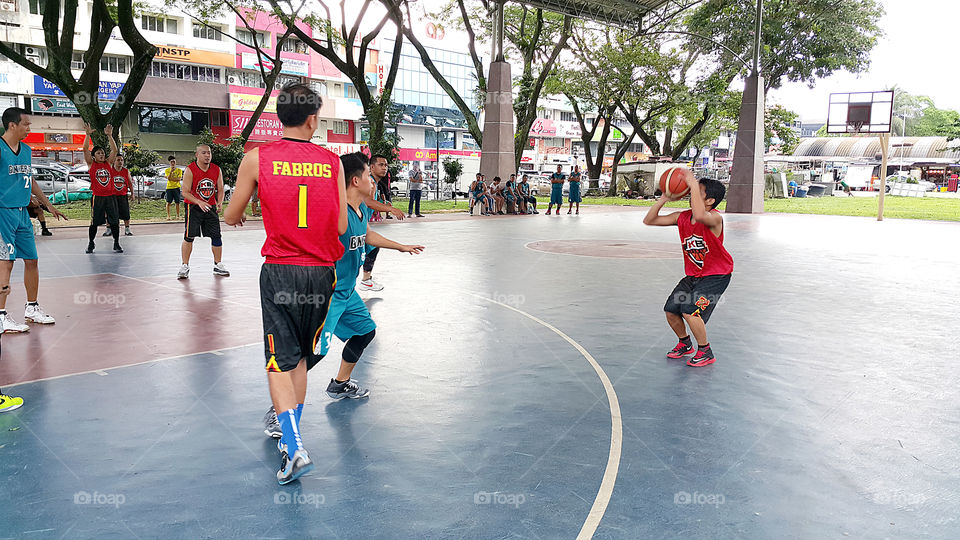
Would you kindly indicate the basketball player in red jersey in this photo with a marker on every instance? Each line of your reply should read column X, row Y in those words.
column 303, row 202
column 122, row 187
column 707, row 263
column 203, row 198
column 104, row 203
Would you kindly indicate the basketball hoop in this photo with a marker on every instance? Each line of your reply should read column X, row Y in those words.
column 855, row 127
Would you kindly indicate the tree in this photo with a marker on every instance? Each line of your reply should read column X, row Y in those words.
column 918, row 116
column 340, row 47
column 778, row 129
column 202, row 11
column 533, row 36
column 138, row 159
column 59, row 29
column 452, row 169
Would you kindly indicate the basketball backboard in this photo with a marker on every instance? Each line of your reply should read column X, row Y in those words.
column 860, row 112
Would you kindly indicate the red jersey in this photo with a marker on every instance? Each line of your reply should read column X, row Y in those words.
column 703, row 252
column 101, row 178
column 204, row 184
column 121, row 181
column 300, row 203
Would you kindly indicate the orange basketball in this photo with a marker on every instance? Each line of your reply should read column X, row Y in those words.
column 673, row 181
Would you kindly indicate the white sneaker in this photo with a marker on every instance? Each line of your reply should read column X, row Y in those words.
column 11, row 326
column 370, row 285
column 184, row 272
column 220, row 270
column 34, row 313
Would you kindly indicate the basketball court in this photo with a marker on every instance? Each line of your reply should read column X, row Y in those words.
column 519, row 389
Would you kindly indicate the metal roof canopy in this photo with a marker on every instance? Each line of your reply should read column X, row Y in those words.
column 627, row 13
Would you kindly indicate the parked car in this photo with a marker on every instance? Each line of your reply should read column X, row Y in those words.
column 895, row 178
column 53, row 178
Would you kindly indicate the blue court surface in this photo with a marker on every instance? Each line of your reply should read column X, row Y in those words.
column 519, row 389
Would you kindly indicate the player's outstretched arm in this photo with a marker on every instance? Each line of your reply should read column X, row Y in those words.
column 114, row 151
column 377, row 240
column 653, row 216
column 44, row 201
column 374, row 204
column 247, row 176
column 87, row 155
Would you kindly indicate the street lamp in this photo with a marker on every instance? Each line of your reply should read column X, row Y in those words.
column 437, row 129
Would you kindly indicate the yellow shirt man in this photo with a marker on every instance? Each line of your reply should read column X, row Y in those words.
column 174, row 176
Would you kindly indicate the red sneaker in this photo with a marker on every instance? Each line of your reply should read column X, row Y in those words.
column 704, row 357
column 682, row 349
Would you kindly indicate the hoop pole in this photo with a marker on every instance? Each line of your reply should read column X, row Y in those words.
column 884, row 151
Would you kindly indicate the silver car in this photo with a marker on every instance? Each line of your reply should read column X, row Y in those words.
column 52, row 179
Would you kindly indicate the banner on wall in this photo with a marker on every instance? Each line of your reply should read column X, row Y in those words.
column 193, row 56
column 108, row 91
column 290, row 66
column 249, row 102
column 421, row 154
column 268, row 127
column 54, row 105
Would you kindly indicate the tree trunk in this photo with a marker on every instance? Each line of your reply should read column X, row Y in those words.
column 617, row 156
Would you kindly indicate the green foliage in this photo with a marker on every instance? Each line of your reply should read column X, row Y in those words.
column 383, row 113
column 452, row 168
column 802, row 40
column 139, row 159
column 227, row 157
column 918, row 116
column 777, row 124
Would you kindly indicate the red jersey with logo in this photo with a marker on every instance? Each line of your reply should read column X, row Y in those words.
column 204, row 184
column 703, row 252
column 121, row 182
column 101, row 179
column 300, row 203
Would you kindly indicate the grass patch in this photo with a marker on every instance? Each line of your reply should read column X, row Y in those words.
column 932, row 208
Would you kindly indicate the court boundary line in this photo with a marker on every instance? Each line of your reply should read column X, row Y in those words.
column 605, row 492
column 664, row 251
column 106, row 371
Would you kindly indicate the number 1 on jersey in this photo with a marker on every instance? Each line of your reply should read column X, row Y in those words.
column 302, row 207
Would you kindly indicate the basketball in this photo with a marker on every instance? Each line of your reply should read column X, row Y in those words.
column 673, row 181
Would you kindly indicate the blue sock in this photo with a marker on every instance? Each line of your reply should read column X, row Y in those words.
column 299, row 413
column 291, row 431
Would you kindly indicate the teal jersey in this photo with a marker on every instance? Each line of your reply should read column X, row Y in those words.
column 557, row 176
column 354, row 247
column 15, row 176
column 509, row 189
column 524, row 188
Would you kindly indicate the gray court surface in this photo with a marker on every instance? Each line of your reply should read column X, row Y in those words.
column 831, row 411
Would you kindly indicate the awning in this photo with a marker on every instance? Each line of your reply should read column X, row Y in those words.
column 59, row 147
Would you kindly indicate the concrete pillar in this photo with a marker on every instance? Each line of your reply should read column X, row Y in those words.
column 497, row 157
column 745, row 193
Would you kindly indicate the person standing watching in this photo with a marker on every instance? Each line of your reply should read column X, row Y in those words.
column 416, row 189
column 16, row 230
column 173, row 195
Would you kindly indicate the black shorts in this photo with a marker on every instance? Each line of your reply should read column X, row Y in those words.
column 697, row 296
column 172, row 195
column 200, row 223
column 294, row 302
column 123, row 207
column 104, row 210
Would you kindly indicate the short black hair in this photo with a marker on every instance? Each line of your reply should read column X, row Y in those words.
column 715, row 190
column 353, row 165
column 93, row 152
column 375, row 157
column 13, row 115
column 171, row 158
column 496, row 179
column 297, row 102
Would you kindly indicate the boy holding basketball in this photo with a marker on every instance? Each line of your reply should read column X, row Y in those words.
column 707, row 263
